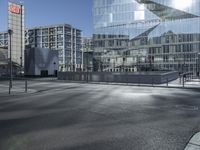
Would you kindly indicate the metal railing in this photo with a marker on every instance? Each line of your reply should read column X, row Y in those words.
column 107, row 78
column 185, row 77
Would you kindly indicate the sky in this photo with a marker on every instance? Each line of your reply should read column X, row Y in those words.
column 78, row 13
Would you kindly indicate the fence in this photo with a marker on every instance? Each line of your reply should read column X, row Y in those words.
column 154, row 79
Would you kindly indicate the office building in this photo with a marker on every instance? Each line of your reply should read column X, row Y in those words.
column 63, row 38
column 134, row 35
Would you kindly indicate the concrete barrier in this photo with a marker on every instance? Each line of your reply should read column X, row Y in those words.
column 123, row 77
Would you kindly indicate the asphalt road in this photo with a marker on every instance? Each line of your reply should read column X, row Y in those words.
column 72, row 116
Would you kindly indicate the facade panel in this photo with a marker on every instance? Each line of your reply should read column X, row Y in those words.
column 41, row 62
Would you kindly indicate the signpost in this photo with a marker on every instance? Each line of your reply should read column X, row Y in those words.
column 10, row 83
column 15, row 9
column 16, row 24
column 16, row 38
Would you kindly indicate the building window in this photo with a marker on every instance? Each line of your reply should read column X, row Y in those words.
column 60, row 30
column 45, row 39
column 45, row 32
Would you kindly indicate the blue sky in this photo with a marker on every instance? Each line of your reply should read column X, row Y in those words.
column 46, row 12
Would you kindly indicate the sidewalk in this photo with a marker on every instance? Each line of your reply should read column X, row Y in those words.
column 16, row 90
column 193, row 83
column 194, row 143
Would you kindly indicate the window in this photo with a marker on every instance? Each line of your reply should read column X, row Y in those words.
column 45, row 39
column 45, row 32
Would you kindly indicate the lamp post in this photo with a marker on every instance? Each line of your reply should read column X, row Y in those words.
column 85, row 59
column 198, row 64
column 55, row 69
column 87, row 63
column 184, row 69
column 82, row 61
column 114, row 64
column 138, row 62
column 10, row 32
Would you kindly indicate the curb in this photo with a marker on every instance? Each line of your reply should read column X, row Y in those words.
column 134, row 85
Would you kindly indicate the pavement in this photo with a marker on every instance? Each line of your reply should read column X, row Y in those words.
column 192, row 83
column 73, row 116
column 17, row 89
column 194, row 143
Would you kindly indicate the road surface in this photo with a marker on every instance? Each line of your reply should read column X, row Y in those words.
column 72, row 116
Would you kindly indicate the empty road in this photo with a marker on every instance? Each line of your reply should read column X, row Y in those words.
column 72, row 116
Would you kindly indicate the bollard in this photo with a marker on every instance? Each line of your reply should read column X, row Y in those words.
column 127, row 79
column 167, row 82
column 138, row 81
column 26, row 86
column 86, row 77
column 9, row 88
column 152, row 82
column 183, row 82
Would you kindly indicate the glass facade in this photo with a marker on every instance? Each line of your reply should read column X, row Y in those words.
column 147, row 34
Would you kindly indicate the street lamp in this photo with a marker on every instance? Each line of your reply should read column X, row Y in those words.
column 10, row 32
column 184, row 67
column 198, row 64
column 55, row 69
column 87, row 57
column 138, row 62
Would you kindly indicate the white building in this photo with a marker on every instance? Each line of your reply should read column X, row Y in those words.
column 63, row 38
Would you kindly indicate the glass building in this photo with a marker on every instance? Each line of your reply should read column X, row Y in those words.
column 137, row 35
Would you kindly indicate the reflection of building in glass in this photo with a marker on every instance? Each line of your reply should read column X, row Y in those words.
column 88, row 52
column 64, row 38
column 147, row 34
